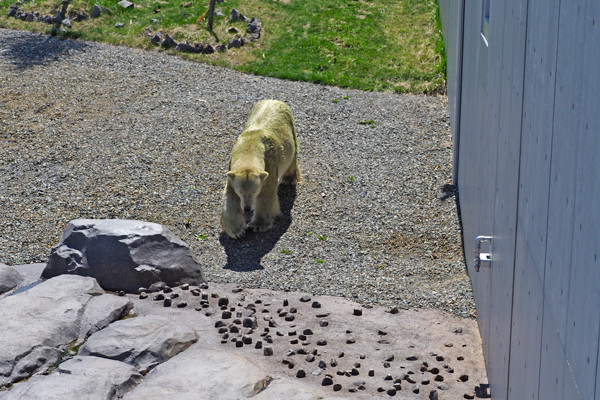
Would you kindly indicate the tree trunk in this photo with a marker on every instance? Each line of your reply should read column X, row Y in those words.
column 63, row 14
column 211, row 12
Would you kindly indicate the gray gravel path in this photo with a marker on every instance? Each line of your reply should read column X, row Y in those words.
column 95, row 131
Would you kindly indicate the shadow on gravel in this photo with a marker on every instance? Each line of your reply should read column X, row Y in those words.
column 246, row 253
column 30, row 50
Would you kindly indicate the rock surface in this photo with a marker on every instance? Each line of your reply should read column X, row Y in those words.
column 325, row 352
column 142, row 342
column 78, row 378
column 215, row 374
column 10, row 278
column 39, row 323
column 123, row 255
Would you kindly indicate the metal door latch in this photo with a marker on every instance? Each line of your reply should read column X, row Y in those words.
column 479, row 256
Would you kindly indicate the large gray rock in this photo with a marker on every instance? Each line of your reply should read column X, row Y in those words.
column 290, row 390
column 100, row 311
column 36, row 325
column 123, row 255
column 143, row 342
column 214, row 374
column 10, row 278
column 88, row 378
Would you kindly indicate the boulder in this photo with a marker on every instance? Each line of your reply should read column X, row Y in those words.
column 100, row 311
column 156, row 38
column 10, row 278
column 168, row 42
column 142, row 342
column 235, row 15
column 125, row 4
column 39, row 323
column 123, row 254
column 235, row 43
column 82, row 16
column 187, row 48
column 12, row 11
column 254, row 26
column 78, row 378
column 215, row 374
column 96, row 11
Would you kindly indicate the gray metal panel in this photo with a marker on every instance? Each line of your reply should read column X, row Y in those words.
column 583, row 315
column 475, row 193
column 552, row 362
column 510, row 69
column 563, row 175
column 529, row 174
column 526, row 325
column 451, row 12
column 536, row 151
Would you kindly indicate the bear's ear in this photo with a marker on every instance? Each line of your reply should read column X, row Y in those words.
column 263, row 175
column 231, row 175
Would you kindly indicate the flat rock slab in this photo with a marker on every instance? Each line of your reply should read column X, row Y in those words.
column 38, row 323
column 9, row 278
column 259, row 344
column 329, row 347
column 142, row 342
column 201, row 373
column 78, row 378
column 123, row 255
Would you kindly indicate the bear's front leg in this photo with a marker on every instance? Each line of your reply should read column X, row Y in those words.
column 267, row 207
column 232, row 216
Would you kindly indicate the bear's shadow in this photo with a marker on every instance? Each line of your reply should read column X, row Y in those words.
column 245, row 254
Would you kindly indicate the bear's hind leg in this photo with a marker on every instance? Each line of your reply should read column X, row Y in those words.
column 292, row 175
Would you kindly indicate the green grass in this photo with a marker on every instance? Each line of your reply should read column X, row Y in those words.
column 379, row 45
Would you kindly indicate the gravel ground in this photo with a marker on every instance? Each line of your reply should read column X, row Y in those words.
column 95, row 131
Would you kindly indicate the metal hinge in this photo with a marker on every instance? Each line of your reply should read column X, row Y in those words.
column 479, row 256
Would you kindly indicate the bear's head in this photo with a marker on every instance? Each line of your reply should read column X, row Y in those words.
column 247, row 184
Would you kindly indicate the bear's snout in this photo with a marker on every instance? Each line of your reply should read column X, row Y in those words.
column 248, row 214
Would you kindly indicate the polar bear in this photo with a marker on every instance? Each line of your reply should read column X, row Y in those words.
column 266, row 153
